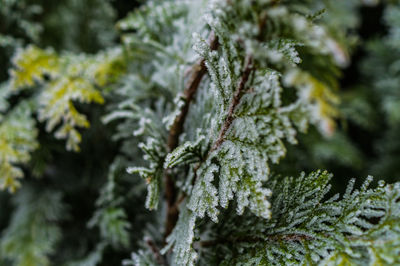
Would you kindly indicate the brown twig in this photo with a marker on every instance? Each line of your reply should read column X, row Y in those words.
column 229, row 118
column 198, row 71
column 173, row 206
column 234, row 103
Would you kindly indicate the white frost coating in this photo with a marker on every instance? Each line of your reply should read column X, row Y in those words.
column 185, row 153
column 199, row 44
column 152, row 177
column 118, row 115
column 217, row 68
column 230, row 172
column 339, row 54
column 204, row 194
column 181, row 239
column 179, row 102
column 283, row 50
column 256, row 135
column 300, row 23
column 278, row 11
column 143, row 122
column 242, row 172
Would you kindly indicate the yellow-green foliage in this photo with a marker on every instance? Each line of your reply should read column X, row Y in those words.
column 17, row 140
column 60, row 81
column 320, row 99
column 64, row 80
column 56, row 107
column 30, row 66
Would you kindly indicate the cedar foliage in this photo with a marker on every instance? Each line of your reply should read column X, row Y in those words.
column 178, row 133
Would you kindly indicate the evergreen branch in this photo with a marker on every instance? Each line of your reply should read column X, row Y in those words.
column 173, row 209
column 17, row 139
column 235, row 101
column 198, row 71
column 364, row 223
column 229, row 118
column 34, row 230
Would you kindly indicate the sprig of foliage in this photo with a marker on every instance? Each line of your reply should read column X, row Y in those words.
column 361, row 228
column 34, row 232
column 110, row 216
column 65, row 79
column 17, row 140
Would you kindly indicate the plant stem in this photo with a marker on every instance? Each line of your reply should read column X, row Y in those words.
column 198, row 71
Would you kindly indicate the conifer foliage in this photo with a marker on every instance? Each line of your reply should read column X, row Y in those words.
column 190, row 115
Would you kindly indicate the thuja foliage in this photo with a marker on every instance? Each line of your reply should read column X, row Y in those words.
column 169, row 145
